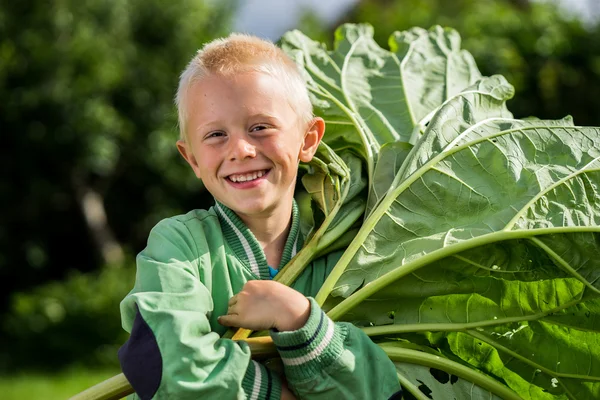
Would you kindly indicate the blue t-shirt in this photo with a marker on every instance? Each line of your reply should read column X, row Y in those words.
column 273, row 272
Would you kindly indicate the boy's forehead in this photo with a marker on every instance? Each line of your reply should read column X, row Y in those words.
column 241, row 80
column 256, row 92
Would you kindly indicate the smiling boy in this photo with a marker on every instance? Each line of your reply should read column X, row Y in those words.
column 246, row 122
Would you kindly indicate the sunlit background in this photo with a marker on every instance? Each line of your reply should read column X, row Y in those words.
column 89, row 164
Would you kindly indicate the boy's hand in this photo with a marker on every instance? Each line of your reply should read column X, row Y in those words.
column 267, row 305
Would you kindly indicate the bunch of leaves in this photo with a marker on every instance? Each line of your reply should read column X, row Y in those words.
column 475, row 263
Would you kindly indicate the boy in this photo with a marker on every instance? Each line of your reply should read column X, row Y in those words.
column 246, row 122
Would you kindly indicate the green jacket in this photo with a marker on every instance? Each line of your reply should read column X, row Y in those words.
column 193, row 264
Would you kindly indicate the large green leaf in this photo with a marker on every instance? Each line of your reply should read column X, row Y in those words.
column 581, row 390
column 529, row 381
column 460, row 119
column 526, row 320
column 554, row 349
column 473, row 303
column 481, row 231
column 355, row 89
column 575, row 253
column 562, row 359
column 370, row 96
column 434, row 68
column 497, row 180
column 432, row 254
column 488, row 285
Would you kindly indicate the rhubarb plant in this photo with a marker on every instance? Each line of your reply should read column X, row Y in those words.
column 475, row 265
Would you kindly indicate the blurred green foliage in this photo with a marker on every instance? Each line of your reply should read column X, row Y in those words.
column 87, row 93
column 71, row 322
column 87, row 89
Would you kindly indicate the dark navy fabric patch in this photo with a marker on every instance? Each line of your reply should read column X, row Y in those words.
column 140, row 359
column 397, row 395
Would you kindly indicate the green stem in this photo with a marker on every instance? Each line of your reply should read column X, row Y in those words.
column 294, row 268
column 437, row 327
column 567, row 391
column 343, row 262
column 338, row 230
column 562, row 263
column 341, row 243
column 288, row 275
column 114, row 388
column 410, row 387
column 452, row 367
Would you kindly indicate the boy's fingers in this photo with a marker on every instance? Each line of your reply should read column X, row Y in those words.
column 232, row 301
column 228, row 320
column 232, row 309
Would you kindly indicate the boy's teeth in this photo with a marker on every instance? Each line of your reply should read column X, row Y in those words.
column 247, row 177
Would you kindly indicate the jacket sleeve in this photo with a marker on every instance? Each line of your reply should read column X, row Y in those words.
column 171, row 352
column 327, row 360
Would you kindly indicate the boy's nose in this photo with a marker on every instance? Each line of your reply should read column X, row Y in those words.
column 242, row 149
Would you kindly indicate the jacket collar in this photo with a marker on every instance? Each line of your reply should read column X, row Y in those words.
column 245, row 246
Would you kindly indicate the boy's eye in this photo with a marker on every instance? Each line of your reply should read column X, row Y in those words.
column 258, row 128
column 215, row 134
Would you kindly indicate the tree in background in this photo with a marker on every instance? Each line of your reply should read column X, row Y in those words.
column 551, row 58
column 88, row 117
column 89, row 162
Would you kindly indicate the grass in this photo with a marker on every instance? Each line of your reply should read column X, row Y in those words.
column 59, row 386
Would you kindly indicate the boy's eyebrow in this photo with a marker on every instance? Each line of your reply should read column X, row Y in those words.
column 264, row 115
column 207, row 126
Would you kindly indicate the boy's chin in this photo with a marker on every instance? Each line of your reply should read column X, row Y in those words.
column 248, row 208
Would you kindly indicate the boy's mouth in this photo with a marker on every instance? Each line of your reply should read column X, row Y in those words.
column 247, row 177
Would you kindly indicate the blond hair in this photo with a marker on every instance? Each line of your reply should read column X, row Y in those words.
column 240, row 53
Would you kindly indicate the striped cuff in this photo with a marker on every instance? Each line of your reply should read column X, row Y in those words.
column 261, row 383
column 312, row 348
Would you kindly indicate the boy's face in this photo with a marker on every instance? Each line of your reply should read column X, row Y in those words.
column 245, row 141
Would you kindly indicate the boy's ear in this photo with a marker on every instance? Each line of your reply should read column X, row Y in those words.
column 187, row 154
column 312, row 138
